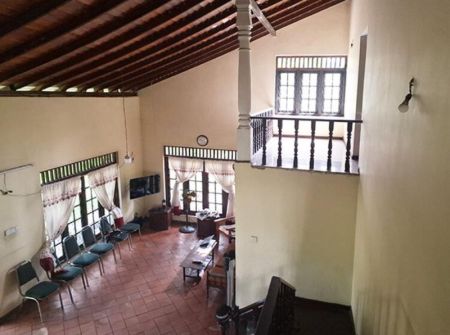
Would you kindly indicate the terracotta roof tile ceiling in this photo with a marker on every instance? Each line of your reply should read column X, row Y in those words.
column 117, row 47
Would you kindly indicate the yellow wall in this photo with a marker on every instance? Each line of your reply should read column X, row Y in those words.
column 203, row 100
column 402, row 250
column 49, row 132
column 304, row 223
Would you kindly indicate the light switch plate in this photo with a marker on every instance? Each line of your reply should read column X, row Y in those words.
column 10, row 231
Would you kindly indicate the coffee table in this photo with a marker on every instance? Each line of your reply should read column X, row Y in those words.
column 198, row 259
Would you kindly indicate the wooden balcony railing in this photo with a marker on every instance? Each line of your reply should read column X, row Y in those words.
column 266, row 125
column 277, row 315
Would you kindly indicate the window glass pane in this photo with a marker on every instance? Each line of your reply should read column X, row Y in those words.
column 309, row 93
column 71, row 228
column 76, row 212
column 328, row 79
column 290, row 105
column 336, row 79
column 336, row 93
column 78, row 225
column 291, row 79
column 286, row 88
column 335, row 106
column 89, row 206
column 59, row 250
column 332, row 91
column 327, row 93
column 96, row 216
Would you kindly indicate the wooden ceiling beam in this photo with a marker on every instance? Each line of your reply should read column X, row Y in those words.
column 133, row 64
column 259, row 32
column 223, row 49
column 66, row 94
column 33, row 12
column 143, row 68
column 122, row 54
column 71, row 68
column 206, row 48
column 85, row 39
column 137, row 65
column 87, row 15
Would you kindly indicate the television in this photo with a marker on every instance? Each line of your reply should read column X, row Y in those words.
column 143, row 186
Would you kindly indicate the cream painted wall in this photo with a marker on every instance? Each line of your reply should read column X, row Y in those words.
column 304, row 223
column 402, row 250
column 49, row 132
column 203, row 100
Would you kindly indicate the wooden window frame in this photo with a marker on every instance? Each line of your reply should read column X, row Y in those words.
column 186, row 187
column 320, row 87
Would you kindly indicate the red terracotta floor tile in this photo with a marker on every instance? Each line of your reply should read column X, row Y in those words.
column 143, row 293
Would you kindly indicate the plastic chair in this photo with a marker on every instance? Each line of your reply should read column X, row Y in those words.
column 92, row 245
column 25, row 273
column 113, row 236
column 76, row 258
column 63, row 275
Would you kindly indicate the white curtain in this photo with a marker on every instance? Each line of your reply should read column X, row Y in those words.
column 103, row 183
column 58, row 200
column 184, row 169
column 223, row 172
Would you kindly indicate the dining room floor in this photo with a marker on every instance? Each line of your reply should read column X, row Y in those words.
column 143, row 293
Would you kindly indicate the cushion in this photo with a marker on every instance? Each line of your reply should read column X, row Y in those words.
column 70, row 273
column 42, row 290
column 101, row 248
column 85, row 259
column 131, row 227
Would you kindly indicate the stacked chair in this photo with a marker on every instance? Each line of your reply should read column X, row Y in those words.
column 77, row 261
column 64, row 275
column 113, row 236
column 75, row 257
column 98, row 248
column 41, row 290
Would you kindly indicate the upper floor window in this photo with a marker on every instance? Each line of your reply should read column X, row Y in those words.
column 311, row 85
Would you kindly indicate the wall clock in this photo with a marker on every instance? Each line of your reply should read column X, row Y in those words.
column 202, row 140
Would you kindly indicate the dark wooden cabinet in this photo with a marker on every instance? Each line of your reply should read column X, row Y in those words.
column 160, row 218
column 207, row 228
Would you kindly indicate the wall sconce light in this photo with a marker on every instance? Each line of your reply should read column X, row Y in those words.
column 404, row 106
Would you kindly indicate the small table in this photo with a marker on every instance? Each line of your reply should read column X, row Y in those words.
column 160, row 218
column 198, row 259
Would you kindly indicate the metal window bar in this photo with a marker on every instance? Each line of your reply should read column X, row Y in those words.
column 200, row 153
column 77, row 168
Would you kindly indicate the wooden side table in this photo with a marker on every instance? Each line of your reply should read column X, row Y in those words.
column 160, row 218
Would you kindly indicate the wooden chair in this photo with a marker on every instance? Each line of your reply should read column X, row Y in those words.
column 227, row 227
column 216, row 277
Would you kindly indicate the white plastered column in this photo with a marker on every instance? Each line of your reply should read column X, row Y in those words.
column 244, row 24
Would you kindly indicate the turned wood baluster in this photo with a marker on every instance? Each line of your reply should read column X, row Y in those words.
column 313, row 137
column 296, row 144
column 263, row 142
column 280, row 129
column 330, row 144
column 349, row 145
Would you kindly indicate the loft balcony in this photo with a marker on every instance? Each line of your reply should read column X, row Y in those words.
column 322, row 144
